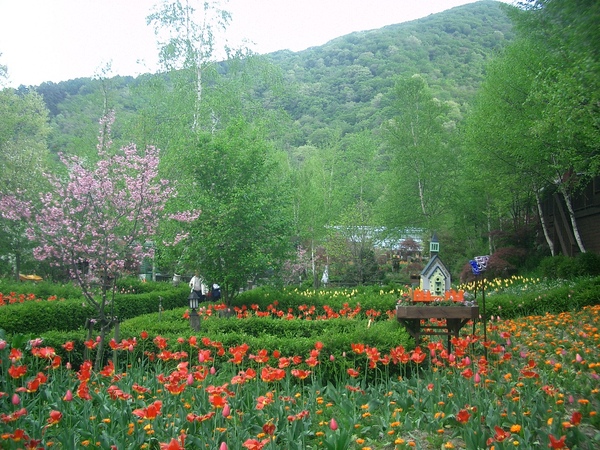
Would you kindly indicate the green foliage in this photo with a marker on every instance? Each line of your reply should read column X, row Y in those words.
column 41, row 290
column 135, row 285
column 564, row 297
column 24, row 159
column 589, row 263
column 68, row 315
column 368, row 297
column 39, row 317
column 246, row 220
column 564, row 267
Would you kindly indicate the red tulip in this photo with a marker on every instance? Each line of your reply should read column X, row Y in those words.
column 226, row 410
column 333, row 424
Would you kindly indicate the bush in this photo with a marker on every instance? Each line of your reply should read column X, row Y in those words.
column 557, row 300
column 380, row 298
column 564, row 267
column 41, row 316
column 589, row 263
column 289, row 337
column 41, row 290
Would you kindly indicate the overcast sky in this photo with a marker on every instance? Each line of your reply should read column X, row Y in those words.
column 58, row 40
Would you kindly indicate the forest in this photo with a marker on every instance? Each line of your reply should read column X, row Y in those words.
column 339, row 157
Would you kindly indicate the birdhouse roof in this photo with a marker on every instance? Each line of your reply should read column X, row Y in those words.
column 433, row 264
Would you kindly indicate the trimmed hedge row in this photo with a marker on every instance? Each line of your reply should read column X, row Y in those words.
column 561, row 299
column 289, row 337
column 40, row 316
column 45, row 289
column 41, row 290
column 369, row 297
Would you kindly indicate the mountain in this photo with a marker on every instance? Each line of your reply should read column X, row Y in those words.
column 343, row 84
column 347, row 80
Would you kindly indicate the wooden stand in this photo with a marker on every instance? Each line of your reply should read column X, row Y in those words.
column 456, row 317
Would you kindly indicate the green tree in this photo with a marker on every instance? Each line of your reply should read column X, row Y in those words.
column 23, row 160
column 535, row 124
column 421, row 161
column 351, row 244
column 188, row 41
column 243, row 231
column 501, row 159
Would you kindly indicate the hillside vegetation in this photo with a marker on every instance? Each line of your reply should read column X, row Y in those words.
column 345, row 83
column 343, row 156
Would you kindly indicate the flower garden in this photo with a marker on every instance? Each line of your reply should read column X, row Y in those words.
column 535, row 383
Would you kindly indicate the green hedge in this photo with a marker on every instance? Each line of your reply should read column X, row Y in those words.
column 561, row 299
column 41, row 290
column 369, row 297
column 260, row 331
column 68, row 315
column 560, row 266
column 289, row 337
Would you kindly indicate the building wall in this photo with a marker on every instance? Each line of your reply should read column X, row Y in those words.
column 587, row 213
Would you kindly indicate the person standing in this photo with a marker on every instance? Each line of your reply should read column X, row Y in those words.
column 216, row 291
column 198, row 286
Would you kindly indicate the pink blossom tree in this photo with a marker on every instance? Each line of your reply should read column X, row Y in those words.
column 95, row 222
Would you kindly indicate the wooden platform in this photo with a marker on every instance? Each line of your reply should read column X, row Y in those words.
column 456, row 317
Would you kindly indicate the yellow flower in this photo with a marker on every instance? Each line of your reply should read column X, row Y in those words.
column 515, row 428
column 360, row 441
column 448, row 445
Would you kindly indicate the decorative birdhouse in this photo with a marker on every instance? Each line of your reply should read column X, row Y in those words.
column 435, row 277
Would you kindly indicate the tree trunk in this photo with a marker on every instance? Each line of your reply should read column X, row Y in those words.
column 569, row 204
column 543, row 222
column 17, row 265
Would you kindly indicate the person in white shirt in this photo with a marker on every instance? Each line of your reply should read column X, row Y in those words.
column 198, row 286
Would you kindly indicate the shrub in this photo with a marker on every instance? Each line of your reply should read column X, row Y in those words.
column 42, row 289
column 589, row 263
column 561, row 266
column 41, row 316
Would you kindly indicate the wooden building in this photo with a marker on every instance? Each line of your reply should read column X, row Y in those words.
column 586, row 205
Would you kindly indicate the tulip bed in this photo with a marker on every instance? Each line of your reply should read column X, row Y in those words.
column 533, row 384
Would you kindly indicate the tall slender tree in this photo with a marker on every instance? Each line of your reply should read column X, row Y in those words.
column 421, row 161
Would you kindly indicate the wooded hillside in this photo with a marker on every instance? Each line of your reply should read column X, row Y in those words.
column 461, row 123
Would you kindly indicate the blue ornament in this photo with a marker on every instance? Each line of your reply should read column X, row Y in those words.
column 474, row 267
